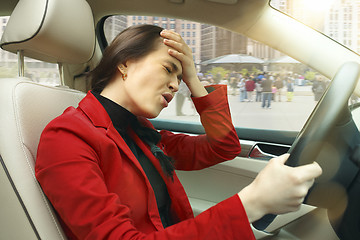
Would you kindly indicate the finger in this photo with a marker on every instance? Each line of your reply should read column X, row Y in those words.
column 282, row 158
column 171, row 35
column 180, row 47
column 178, row 55
column 309, row 171
column 174, row 44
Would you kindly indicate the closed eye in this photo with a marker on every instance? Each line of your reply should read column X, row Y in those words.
column 168, row 69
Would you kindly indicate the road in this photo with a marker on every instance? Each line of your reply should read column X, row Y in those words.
column 282, row 115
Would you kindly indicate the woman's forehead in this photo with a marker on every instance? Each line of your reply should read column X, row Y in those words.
column 162, row 52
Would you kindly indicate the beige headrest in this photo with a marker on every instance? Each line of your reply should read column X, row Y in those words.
column 51, row 30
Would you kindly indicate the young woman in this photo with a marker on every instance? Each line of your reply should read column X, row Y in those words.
column 110, row 175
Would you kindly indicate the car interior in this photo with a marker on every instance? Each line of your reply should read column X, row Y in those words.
column 67, row 33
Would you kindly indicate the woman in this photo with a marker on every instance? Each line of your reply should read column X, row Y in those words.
column 242, row 89
column 110, row 175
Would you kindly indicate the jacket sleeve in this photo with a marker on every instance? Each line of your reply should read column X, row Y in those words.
column 69, row 170
column 220, row 142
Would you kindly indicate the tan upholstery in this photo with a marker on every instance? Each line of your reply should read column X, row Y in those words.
column 49, row 30
column 26, row 108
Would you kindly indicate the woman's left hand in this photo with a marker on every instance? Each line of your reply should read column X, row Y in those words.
column 182, row 52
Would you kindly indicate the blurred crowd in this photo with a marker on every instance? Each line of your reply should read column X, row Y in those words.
column 263, row 87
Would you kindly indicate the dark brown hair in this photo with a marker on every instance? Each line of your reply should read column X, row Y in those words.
column 131, row 44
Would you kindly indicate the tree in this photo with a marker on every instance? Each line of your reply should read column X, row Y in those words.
column 244, row 71
column 218, row 71
column 255, row 71
column 310, row 75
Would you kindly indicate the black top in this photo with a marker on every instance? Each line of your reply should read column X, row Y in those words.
column 121, row 119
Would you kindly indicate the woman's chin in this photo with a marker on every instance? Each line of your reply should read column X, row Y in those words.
column 152, row 114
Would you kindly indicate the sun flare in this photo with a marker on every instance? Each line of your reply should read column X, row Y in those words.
column 318, row 5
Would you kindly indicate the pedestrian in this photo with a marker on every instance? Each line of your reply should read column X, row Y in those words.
column 273, row 91
column 319, row 87
column 261, row 75
column 182, row 94
column 279, row 84
column 233, row 82
column 242, row 89
column 290, row 89
column 258, row 90
column 249, row 87
column 266, row 85
column 218, row 77
column 110, row 175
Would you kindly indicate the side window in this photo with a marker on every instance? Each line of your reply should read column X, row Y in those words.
column 251, row 71
column 38, row 71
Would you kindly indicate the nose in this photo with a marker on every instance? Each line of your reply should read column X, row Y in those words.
column 174, row 84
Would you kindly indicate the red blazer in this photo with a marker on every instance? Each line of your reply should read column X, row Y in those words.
column 100, row 190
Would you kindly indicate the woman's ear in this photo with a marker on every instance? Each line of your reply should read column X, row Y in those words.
column 123, row 70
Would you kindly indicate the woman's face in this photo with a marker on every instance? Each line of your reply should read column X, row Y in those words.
column 151, row 82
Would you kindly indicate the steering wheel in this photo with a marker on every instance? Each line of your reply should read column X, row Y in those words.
column 328, row 137
column 331, row 110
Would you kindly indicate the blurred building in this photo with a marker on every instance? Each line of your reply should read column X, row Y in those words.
column 190, row 31
column 113, row 25
column 217, row 42
column 342, row 23
column 339, row 19
column 6, row 59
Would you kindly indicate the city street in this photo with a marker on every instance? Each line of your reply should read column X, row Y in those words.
column 282, row 115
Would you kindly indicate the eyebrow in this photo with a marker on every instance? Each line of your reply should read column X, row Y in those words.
column 175, row 68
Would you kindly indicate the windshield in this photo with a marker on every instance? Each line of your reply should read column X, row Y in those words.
column 338, row 19
column 221, row 57
column 232, row 59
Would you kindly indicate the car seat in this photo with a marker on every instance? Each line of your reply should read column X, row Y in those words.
column 56, row 31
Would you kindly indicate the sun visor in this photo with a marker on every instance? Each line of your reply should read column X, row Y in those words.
column 51, row 30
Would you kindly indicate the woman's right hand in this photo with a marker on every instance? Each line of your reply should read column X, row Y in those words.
column 278, row 188
column 182, row 52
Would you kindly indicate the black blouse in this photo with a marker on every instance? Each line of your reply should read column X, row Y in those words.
column 121, row 119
